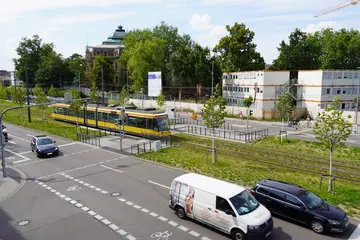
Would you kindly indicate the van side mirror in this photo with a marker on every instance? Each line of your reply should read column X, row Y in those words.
column 230, row 212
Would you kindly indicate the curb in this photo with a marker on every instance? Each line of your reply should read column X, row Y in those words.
column 22, row 183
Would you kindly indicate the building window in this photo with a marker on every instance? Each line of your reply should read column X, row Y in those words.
column 356, row 75
column 97, row 52
column 258, row 90
column 336, row 91
column 248, row 89
column 354, row 91
column 117, row 80
column 346, row 74
column 241, row 89
column 116, row 65
column 346, row 91
column 328, row 91
column 105, row 53
column 343, row 106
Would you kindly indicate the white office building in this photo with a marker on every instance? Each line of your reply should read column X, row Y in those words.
column 317, row 88
column 263, row 85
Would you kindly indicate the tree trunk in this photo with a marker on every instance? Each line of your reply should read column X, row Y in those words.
column 330, row 179
column 213, row 146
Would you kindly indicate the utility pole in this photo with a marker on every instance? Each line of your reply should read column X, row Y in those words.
column 27, row 92
column 122, row 133
column 15, row 82
column 212, row 78
column 174, row 113
column 102, row 85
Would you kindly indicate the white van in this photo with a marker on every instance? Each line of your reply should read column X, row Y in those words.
column 222, row 205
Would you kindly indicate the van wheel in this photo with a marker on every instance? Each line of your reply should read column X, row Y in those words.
column 180, row 212
column 237, row 234
column 317, row 226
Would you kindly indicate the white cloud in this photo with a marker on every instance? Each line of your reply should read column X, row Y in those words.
column 311, row 28
column 176, row 5
column 81, row 18
column 200, row 22
column 10, row 9
column 212, row 37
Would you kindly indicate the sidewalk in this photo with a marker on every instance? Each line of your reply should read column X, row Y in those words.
column 10, row 184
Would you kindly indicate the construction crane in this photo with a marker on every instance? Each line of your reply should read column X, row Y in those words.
column 338, row 7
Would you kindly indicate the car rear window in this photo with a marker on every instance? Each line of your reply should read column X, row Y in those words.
column 262, row 190
column 44, row 141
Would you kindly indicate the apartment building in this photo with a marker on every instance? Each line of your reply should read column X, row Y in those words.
column 263, row 85
column 317, row 88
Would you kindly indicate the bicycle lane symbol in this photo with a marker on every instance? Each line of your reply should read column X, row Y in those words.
column 161, row 235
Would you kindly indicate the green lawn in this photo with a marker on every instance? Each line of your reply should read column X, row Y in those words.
column 190, row 155
column 49, row 126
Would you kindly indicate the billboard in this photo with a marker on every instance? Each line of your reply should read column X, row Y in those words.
column 154, row 84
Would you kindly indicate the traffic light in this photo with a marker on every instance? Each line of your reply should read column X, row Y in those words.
column 251, row 112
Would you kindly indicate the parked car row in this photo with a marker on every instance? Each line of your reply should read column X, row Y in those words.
column 246, row 214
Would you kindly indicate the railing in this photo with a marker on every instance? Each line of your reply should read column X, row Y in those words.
column 84, row 138
column 227, row 134
column 195, row 122
column 149, row 146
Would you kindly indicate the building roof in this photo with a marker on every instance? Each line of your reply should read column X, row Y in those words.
column 117, row 36
column 332, row 70
column 109, row 46
column 211, row 185
column 256, row 71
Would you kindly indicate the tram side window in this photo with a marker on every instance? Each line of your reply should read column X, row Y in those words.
column 81, row 114
column 70, row 113
column 113, row 117
column 155, row 125
column 131, row 122
column 105, row 117
column 140, row 122
column 90, row 115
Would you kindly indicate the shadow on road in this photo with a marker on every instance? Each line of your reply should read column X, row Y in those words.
column 8, row 227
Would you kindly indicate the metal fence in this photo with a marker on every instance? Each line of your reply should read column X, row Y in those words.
column 196, row 122
column 93, row 140
column 149, row 146
column 228, row 134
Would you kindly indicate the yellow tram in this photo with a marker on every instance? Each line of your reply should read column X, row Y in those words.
column 141, row 122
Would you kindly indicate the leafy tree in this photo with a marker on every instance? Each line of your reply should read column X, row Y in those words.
column 52, row 92
column 285, row 105
column 19, row 98
column 94, row 92
column 30, row 51
column 331, row 129
column 75, row 106
column 237, row 50
column 248, row 102
column 77, row 67
column 160, row 100
column 214, row 112
column 108, row 71
column 40, row 98
column 124, row 96
column 51, row 70
column 302, row 52
column 3, row 96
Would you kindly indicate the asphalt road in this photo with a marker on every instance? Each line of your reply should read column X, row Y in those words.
column 91, row 193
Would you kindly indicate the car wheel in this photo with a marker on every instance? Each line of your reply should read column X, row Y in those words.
column 237, row 234
column 180, row 212
column 317, row 226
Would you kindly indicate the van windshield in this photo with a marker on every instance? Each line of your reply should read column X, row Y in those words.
column 244, row 202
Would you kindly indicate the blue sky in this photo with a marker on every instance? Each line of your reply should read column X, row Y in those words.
column 71, row 24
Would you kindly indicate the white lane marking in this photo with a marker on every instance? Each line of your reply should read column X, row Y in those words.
column 30, row 135
column 104, row 192
column 129, row 203
column 173, row 223
column 25, row 152
column 185, row 229
column 81, row 182
column 163, row 218
column 91, row 186
column 86, row 184
column 136, row 206
column 153, row 214
column 159, row 184
column 145, row 210
column 113, row 169
column 67, row 144
column 356, row 234
column 52, row 190
column 194, row 233
column 68, row 199
column 19, row 138
column 121, row 199
column 62, row 196
column 16, row 154
column 79, row 205
column 20, row 161
column 122, row 232
column 91, row 212
column 205, row 238
column 65, row 155
column 98, row 189
column 85, row 209
column 98, row 217
column 73, row 201
column 130, row 237
column 106, row 222
column 113, row 227
column 12, row 142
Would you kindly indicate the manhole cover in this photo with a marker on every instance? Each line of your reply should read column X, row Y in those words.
column 23, row 223
column 115, row 194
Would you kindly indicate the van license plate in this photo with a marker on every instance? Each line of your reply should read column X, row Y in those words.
column 49, row 153
column 268, row 234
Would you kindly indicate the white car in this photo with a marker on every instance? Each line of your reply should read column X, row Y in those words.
column 225, row 206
